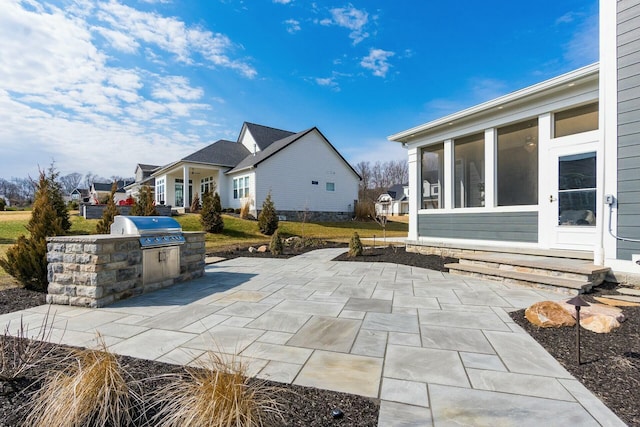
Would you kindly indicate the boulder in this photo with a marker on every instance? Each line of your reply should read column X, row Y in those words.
column 252, row 249
column 262, row 249
column 549, row 314
column 599, row 323
column 594, row 309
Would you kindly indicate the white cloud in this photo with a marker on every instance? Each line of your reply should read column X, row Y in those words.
column 329, row 82
column 282, row 1
column 350, row 18
column 171, row 35
column 293, row 26
column 377, row 61
column 567, row 18
column 583, row 48
column 62, row 97
column 175, row 88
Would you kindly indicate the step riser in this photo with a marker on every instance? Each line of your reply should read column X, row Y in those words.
column 505, row 280
column 595, row 278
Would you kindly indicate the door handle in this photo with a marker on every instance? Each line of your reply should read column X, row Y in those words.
column 552, row 199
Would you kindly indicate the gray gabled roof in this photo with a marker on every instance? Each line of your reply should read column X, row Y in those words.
column 265, row 135
column 397, row 192
column 222, row 153
column 257, row 158
column 147, row 168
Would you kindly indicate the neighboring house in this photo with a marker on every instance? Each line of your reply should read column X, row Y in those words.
column 395, row 201
column 80, row 195
column 101, row 190
column 303, row 171
column 553, row 166
column 142, row 177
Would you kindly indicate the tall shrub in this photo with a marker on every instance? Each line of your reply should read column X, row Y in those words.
column 56, row 197
column 145, row 205
column 26, row 261
column 110, row 211
column 355, row 245
column 211, row 213
column 276, row 246
column 268, row 220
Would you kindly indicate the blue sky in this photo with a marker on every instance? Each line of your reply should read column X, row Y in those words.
column 100, row 86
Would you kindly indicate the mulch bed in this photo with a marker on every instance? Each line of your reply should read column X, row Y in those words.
column 610, row 365
column 610, row 362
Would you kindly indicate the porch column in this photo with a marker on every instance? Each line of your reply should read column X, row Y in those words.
column 447, row 197
column 185, row 187
column 489, row 168
column 414, row 192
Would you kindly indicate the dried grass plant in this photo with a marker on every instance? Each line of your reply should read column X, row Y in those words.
column 244, row 209
column 217, row 394
column 20, row 352
column 89, row 387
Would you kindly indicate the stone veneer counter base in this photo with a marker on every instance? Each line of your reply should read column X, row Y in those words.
column 96, row 270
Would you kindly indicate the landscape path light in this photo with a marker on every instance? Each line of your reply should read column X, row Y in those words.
column 578, row 303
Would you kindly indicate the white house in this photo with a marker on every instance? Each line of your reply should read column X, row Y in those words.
column 552, row 166
column 395, row 201
column 303, row 171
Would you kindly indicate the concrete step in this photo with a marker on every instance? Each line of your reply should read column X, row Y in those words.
column 566, row 268
column 561, row 284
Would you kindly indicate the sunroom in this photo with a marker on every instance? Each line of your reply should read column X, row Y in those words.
column 520, row 171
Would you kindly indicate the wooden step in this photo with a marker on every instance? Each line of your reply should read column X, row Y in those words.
column 569, row 286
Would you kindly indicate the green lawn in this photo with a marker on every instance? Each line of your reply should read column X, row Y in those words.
column 237, row 232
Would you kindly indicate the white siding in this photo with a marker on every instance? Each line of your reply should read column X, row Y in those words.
column 289, row 175
column 229, row 201
column 249, row 142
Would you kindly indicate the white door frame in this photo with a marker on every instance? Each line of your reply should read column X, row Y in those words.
column 552, row 235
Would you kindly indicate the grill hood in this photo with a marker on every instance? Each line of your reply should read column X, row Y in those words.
column 144, row 225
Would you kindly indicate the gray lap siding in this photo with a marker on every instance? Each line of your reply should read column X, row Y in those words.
column 503, row 226
column 628, row 54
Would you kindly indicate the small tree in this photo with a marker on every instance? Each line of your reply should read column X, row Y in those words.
column 355, row 245
column 268, row 220
column 276, row 246
column 110, row 211
column 26, row 261
column 3, row 204
column 54, row 187
column 211, row 213
column 195, row 204
column 145, row 205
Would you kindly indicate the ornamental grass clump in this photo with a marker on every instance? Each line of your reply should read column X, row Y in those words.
column 87, row 388
column 218, row 394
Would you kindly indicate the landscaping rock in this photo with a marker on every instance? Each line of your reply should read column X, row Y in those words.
column 599, row 323
column 252, row 249
column 262, row 249
column 594, row 309
column 549, row 314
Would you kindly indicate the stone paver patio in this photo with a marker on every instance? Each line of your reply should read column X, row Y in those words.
column 436, row 349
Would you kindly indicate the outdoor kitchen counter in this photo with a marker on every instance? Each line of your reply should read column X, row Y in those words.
column 96, row 270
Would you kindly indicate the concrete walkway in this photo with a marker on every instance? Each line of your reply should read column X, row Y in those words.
column 436, row 349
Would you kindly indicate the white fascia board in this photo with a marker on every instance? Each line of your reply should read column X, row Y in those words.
column 520, row 95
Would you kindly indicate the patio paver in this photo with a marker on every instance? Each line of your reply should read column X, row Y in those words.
column 437, row 349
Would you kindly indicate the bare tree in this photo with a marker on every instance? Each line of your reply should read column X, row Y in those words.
column 364, row 170
column 397, row 171
column 70, row 182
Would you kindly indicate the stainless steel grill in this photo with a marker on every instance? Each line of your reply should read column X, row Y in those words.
column 160, row 238
column 154, row 231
